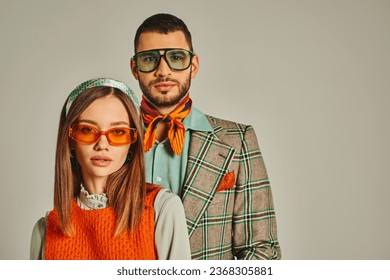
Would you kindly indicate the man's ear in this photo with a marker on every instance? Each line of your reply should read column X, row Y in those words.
column 194, row 66
column 133, row 68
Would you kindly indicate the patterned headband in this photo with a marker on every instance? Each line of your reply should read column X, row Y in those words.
column 97, row 83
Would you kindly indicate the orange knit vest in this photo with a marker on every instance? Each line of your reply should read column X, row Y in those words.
column 94, row 235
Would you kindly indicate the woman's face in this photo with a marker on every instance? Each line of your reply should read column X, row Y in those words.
column 100, row 159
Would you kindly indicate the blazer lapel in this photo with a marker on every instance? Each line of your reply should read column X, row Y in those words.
column 208, row 162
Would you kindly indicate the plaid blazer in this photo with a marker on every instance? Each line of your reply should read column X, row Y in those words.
column 227, row 196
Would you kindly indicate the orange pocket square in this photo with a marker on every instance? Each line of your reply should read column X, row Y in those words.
column 227, row 182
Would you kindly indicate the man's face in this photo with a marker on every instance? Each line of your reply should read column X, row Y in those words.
column 164, row 87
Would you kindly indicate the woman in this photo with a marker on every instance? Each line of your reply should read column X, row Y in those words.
column 103, row 209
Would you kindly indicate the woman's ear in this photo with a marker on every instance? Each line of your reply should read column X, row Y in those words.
column 73, row 160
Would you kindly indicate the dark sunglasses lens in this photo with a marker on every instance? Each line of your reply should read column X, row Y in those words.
column 178, row 59
column 147, row 61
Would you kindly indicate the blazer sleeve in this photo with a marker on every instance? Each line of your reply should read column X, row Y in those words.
column 171, row 235
column 254, row 223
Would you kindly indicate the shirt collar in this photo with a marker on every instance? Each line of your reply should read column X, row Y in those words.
column 197, row 121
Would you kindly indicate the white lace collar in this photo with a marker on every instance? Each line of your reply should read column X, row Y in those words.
column 88, row 201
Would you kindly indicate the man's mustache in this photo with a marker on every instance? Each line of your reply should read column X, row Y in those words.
column 164, row 80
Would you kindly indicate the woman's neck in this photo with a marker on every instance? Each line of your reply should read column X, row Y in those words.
column 95, row 185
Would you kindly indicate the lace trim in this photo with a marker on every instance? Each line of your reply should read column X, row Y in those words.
column 88, row 201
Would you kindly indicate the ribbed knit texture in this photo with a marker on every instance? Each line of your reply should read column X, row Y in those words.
column 94, row 235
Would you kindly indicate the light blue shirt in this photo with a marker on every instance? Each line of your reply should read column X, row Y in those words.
column 163, row 166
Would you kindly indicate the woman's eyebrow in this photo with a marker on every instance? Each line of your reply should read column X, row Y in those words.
column 120, row 123
column 87, row 121
column 96, row 124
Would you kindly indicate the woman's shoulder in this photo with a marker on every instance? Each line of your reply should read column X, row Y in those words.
column 166, row 201
column 40, row 225
column 38, row 239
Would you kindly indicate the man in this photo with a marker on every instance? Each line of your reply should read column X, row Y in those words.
column 214, row 165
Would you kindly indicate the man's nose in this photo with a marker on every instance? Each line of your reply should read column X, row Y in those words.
column 163, row 68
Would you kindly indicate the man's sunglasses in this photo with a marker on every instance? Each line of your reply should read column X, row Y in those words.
column 177, row 59
column 86, row 134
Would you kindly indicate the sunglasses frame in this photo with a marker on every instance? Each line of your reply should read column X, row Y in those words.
column 192, row 54
column 133, row 134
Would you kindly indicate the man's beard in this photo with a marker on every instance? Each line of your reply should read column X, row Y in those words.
column 161, row 100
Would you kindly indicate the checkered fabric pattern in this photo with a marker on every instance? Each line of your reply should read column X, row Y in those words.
column 234, row 223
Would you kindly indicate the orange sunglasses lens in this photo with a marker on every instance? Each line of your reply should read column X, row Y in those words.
column 87, row 134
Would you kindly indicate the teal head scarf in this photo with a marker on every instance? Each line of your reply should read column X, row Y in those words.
column 97, row 83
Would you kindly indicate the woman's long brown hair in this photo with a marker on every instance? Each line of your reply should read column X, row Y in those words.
column 126, row 188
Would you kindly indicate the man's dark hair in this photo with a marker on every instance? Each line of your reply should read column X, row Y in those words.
column 164, row 24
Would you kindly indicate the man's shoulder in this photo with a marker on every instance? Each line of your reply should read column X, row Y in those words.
column 225, row 124
column 232, row 133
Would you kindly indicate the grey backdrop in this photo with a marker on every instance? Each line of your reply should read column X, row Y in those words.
column 312, row 77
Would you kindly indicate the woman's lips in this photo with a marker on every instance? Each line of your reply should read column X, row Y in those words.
column 101, row 161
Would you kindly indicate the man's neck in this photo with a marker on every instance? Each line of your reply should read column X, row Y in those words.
column 162, row 131
column 166, row 110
